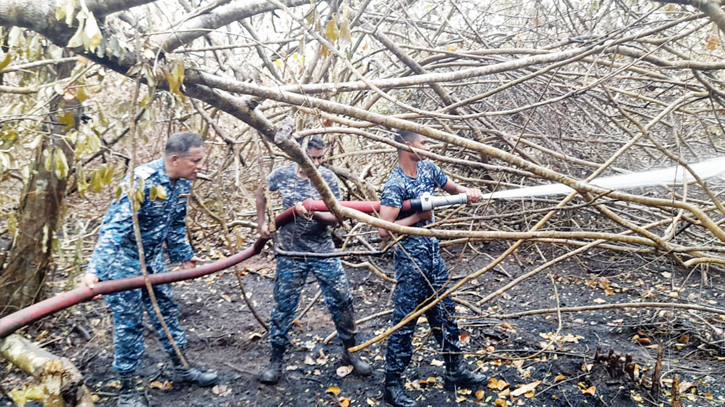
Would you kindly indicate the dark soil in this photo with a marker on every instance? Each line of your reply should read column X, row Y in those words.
column 223, row 335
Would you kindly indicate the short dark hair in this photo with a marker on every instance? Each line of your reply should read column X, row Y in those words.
column 401, row 136
column 313, row 141
column 180, row 143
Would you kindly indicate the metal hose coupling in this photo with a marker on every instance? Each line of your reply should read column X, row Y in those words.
column 427, row 201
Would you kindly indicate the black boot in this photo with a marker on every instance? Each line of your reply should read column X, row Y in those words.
column 394, row 393
column 361, row 367
column 273, row 372
column 192, row 375
column 128, row 396
column 458, row 376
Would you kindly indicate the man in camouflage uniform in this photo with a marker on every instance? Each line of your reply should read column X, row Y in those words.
column 420, row 271
column 161, row 221
column 308, row 233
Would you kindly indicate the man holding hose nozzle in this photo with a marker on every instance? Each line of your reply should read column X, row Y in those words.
column 165, row 184
column 307, row 233
column 420, row 271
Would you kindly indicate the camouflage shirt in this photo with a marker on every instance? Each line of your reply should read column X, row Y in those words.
column 302, row 235
column 400, row 187
column 161, row 221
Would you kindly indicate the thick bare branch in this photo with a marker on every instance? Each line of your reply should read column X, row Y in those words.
column 217, row 18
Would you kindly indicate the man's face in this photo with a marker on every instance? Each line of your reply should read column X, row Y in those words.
column 421, row 143
column 316, row 155
column 188, row 165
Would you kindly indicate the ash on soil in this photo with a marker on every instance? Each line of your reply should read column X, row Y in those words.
column 224, row 335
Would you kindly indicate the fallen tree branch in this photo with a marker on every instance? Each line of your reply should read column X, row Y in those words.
column 58, row 377
column 667, row 305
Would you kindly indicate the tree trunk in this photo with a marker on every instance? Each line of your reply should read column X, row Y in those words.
column 40, row 210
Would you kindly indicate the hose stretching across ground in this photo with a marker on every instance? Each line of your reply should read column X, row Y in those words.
column 25, row 316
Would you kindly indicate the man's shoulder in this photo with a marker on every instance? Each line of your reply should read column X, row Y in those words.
column 285, row 170
column 184, row 183
column 148, row 170
column 429, row 169
column 326, row 172
column 395, row 177
column 429, row 165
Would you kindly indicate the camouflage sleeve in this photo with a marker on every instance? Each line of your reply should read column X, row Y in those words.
column 439, row 176
column 334, row 184
column 178, row 247
column 392, row 195
column 273, row 179
column 117, row 225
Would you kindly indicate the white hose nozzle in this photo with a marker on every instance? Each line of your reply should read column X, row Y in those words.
column 428, row 202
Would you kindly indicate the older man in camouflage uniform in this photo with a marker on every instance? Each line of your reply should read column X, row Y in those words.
column 420, row 271
column 308, row 233
column 166, row 185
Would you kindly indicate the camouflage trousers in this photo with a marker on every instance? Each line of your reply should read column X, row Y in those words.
column 421, row 273
column 128, row 308
column 291, row 276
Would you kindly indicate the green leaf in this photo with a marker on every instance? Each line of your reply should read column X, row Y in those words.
column 101, row 116
column 134, row 70
column 77, row 39
column 81, row 180
column 96, row 182
column 5, row 59
column 101, row 49
column 161, row 191
column 60, row 11
column 22, row 396
column 81, row 94
column 119, row 191
column 48, row 157
column 67, row 119
column 70, row 8
column 94, row 142
column 4, row 162
column 150, row 76
column 35, row 143
column 15, row 37
column 175, row 78
column 152, row 193
column 113, row 48
column 61, row 164
column 72, row 137
column 107, row 174
column 333, row 33
column 34, row 49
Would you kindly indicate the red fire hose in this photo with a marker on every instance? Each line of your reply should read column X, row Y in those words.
column 362, row 206
column 28, row 315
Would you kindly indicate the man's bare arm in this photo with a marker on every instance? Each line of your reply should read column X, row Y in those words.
column 473, row 194
column 389, row 213
column 325, row 218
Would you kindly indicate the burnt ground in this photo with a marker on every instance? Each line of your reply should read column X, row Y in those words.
column 224, row 335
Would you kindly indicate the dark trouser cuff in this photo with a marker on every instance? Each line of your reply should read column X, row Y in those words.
column 349, row 342
column 175, row 359
column 453, row 361
column 392, row 379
